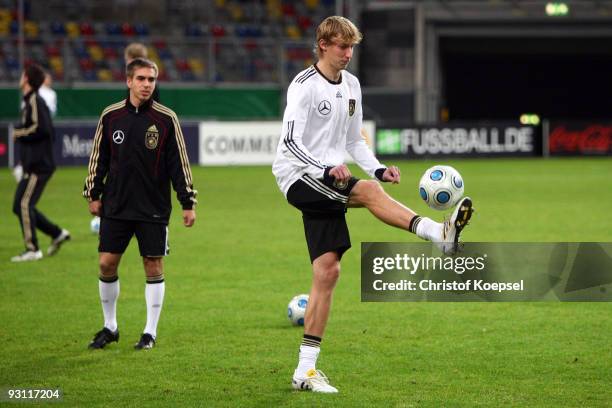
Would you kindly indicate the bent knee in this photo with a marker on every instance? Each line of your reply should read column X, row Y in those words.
column 369, row 190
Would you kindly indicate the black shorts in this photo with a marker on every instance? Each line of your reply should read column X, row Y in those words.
column 115, row 235
column 323, row 206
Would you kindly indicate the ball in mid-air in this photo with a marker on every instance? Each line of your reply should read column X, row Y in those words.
column 441, row 187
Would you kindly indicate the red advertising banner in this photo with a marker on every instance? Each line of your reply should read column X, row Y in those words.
column 580, row 138
column 4, row 147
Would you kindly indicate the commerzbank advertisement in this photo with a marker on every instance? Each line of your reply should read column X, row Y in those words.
column 487, row 272
column 251, row 143
column 464, row 140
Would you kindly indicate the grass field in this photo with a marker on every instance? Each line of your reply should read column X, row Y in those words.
column 224, row 340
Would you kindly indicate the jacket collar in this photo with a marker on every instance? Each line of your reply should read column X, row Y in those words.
column 143, row 107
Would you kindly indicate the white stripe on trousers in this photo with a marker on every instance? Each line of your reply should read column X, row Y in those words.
column 323, row 189
column 25, row 212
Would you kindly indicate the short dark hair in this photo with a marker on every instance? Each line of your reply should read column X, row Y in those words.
column 140, row 63
column 35, row 75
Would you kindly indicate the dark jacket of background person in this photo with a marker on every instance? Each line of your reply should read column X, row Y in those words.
column 35, row 136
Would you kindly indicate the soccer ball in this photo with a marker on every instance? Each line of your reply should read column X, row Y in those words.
column 94, row 225
column 297, row 309
column 441, row 187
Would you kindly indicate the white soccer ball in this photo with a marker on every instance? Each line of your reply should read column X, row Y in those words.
column 297, row 309
column 441, row 187
column 94, row 225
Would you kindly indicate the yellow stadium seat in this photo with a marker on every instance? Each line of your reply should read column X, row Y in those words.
column 312, row 4
column 31, row 29
column 105, row 75
column 5, row 16
column 73, row 29
column 96, row 53
column 274, row 9
column 56, row 63
column 157, row 61
column 293, row 32
column 236, row 12
column 152, row 53
column 196, row 66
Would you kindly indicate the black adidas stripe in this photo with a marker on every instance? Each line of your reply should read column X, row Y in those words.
column 297, row 152
column 301, row 81
column 309, row 71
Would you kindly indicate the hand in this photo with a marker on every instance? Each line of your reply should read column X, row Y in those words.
column 95, row 207
column 392, row 174
column 189, row 217
column 341, row 173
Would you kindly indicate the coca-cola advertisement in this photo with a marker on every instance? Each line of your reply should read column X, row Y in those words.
column 580, row 139
column 4, row 140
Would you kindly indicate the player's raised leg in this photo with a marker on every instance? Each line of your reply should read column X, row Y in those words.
column 326, row 270
column 155, row 289
column 109, row 293
column 370, row 194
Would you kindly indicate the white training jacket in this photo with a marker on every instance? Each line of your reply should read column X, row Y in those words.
column 322, row 120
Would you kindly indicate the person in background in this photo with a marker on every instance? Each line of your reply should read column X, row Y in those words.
column 49, row 95
column 35, row 136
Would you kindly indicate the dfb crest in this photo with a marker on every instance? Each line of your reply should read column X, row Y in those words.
column 151, row 137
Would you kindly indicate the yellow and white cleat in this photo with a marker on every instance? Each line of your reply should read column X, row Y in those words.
column 315, row 381
column 449, row 243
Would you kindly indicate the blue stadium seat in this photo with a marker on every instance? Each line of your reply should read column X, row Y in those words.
column 81, row 51
column 254, row 32
column 113, row 29
column 12, row 63
column 187, row 76
column 58, row 28
column 194, row 30
column 90, row 75
column 242, row 31
column 165, row 54
column 141, row 29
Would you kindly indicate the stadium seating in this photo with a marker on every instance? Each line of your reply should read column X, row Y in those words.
column 242, row 37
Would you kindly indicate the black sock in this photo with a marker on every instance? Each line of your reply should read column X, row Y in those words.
column 414, row 223
column 311, row 341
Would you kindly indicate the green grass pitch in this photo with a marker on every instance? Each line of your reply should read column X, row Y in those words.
column 224, row 339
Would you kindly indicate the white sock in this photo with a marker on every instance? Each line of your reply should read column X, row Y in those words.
column 429, row 230
column 307, row 361
column 109, row 292
column 154, row 295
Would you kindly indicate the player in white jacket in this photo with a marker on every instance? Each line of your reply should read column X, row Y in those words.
column 322, row 121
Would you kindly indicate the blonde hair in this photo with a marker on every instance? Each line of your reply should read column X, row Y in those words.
column 133, row 51
column 336, row 26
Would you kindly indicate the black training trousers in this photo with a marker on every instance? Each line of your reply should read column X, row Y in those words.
column 28, row 193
